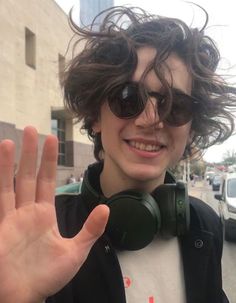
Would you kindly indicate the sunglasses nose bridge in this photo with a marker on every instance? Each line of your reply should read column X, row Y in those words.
column 149, row 116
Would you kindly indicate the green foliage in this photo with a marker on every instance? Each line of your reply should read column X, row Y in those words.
column 177, row 171
column 197, row 167
column 229, row 158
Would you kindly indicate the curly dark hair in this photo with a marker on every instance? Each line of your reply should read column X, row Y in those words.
column 109, row 59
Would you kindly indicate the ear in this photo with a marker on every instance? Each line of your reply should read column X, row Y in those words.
column 190, row 136
column 97, row 127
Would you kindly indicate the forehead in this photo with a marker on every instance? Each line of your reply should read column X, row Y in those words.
column 176, row 71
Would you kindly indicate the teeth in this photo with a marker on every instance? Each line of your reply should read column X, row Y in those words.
column 142, row 146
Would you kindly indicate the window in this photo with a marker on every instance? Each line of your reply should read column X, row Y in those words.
column 58, row 127
column 61, row 67
column 231, row 189
column 30, row 48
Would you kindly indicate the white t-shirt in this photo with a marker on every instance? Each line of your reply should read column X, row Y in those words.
column 154, row 274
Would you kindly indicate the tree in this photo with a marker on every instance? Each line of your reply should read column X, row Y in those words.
column 229, row 157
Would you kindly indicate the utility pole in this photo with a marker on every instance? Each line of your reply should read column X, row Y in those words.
column 186, row 170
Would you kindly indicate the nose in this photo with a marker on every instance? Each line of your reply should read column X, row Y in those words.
column 149, row 117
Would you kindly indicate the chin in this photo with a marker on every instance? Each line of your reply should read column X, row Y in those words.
column 145, row 173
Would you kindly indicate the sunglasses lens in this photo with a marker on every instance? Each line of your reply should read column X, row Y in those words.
column 126, row 101
column 181, row 111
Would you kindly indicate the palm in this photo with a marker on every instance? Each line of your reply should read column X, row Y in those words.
column 32, row 252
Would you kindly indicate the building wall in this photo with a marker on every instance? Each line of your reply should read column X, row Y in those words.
column 27, row 93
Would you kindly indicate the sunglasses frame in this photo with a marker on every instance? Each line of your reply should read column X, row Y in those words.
column 118, row 93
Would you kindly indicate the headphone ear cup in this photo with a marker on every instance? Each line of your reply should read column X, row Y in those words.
column 174, row 207
column 134, row 219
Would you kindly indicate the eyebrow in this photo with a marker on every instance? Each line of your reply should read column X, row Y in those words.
column 161, row 92
column 174, row 89
column 180, row 91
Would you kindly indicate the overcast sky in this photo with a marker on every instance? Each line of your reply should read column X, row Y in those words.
column 222, row 28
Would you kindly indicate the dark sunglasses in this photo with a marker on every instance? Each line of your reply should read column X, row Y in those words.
column 128, row 102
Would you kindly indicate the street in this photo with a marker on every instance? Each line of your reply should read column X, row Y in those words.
column 204, row 191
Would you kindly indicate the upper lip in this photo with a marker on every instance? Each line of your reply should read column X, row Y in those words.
column 147, row 141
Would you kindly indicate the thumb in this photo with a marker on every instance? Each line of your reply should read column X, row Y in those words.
column 93, row 228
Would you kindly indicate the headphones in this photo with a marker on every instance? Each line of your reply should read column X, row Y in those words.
column 135, row 216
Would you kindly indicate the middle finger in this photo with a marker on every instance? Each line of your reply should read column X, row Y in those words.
column 26, row 175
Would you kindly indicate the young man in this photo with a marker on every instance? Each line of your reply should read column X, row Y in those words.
column 146, row 90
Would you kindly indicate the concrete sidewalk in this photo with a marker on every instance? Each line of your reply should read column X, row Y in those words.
column 196, row 190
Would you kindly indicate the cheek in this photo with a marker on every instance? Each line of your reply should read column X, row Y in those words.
column 180, row 139
column 111, row 129
column 110, row 124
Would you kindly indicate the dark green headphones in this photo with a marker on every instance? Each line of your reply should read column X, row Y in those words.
column 136, row 217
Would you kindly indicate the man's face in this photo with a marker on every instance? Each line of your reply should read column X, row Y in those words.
column 138, row 151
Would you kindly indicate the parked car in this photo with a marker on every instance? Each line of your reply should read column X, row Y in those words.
column 216, row 182
column 227, row 205
column 72, row 188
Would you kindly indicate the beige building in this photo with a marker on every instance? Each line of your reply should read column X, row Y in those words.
column 34, row 39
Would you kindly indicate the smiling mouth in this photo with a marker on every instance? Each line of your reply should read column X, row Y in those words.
column 145, row 147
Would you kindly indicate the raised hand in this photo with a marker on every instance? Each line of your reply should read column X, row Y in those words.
column 35, row 261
